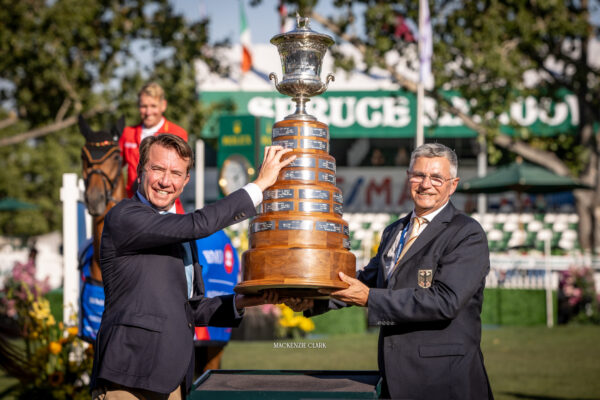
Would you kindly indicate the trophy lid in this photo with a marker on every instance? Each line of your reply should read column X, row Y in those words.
column 302, row 33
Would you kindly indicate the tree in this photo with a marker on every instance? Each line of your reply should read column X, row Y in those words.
column 482, row 50
column 65, row 57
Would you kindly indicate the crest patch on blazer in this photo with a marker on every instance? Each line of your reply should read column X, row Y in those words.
column 425, row 278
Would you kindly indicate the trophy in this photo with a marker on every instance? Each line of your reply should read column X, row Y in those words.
column 299, row 241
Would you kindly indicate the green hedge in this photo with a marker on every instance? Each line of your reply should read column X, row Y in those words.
column 346, row 320
column 510, row 307
column 516, row 307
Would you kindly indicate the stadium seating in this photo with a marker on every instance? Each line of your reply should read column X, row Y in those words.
column 507, row 232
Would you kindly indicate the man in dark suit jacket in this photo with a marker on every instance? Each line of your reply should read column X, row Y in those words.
column 425, row 291
column 152, row 280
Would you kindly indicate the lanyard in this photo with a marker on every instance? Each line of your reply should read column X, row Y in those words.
column 401, row 243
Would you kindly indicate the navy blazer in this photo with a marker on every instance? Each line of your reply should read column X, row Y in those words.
column 146, row 337
column 429, row 310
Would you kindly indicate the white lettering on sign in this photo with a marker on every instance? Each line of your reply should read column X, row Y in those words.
column 213, row 256
column 394, row 111
column 341, row 111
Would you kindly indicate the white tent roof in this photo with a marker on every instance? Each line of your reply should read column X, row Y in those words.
column 265, row 60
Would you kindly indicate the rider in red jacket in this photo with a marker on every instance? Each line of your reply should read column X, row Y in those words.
column 152, row 104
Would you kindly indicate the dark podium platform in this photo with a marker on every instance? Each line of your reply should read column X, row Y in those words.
column 286, row 385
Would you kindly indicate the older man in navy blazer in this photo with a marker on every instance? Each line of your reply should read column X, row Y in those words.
column 153, row 282
column 424, row 288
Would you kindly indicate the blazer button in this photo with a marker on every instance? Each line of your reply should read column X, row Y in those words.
column 189, row 325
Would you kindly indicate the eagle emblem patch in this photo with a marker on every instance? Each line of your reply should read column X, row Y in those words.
column 425, row 278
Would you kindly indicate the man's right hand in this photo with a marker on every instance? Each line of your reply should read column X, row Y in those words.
column 271, row 166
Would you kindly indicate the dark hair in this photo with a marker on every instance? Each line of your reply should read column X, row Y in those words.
column 431, row 150
column 168, row 141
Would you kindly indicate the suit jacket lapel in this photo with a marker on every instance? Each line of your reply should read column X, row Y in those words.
column 431, row 232
column 389, row 243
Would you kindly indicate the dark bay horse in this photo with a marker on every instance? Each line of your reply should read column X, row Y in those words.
column 102, row 173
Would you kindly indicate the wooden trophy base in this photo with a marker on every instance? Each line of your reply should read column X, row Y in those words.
column 306, row 273
column 299, row 242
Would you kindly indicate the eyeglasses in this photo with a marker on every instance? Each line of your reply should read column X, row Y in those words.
column 436, row 181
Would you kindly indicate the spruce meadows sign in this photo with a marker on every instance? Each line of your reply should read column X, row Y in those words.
column 353, row 114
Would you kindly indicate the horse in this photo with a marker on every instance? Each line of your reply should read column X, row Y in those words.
column 103, row 177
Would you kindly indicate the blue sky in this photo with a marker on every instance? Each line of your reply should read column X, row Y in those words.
column 225, row 21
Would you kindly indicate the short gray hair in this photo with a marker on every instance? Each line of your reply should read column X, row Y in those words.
column 431, row 150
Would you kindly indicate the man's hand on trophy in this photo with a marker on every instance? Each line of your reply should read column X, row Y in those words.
column 271, row 165
column 299, row 304
column 267, row 297
column 356, row 294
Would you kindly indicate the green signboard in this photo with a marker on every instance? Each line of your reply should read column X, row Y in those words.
column 242, row 139
column 392, row 114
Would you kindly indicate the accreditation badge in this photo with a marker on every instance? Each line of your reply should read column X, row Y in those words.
column 424, row 278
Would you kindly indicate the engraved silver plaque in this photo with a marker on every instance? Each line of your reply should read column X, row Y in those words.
column 286, row 144
column 347, row 243
column 262, row 226
column 279, row 206
column 314, row 207
column 297, row 225
column 314, row 194
column 318, row 132
column 285, row 131
column 279, row 194
column 326, row 164
column 346, row 230
column 314, row 144
column 337, row 208
column 337, row 197
column 328, row 227
column 306, row 162
column 299, row 175
column 325, row 177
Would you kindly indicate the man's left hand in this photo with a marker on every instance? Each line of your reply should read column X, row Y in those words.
column 267, row 297
column 357, row 294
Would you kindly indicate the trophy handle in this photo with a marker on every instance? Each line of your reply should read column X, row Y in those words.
column 330, row 78
column 324, row 86
column 273, row 77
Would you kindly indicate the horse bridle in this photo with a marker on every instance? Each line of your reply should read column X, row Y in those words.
column 109, row 183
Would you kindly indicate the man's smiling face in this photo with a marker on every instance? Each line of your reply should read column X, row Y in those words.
column 426, row 196
column 163, row 177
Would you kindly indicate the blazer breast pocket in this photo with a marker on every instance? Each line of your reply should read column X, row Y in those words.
column 133, row 344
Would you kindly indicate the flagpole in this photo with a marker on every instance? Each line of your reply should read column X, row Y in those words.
column 425, row 50
column 420, row 137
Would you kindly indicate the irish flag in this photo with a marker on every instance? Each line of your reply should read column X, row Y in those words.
column 245, row 41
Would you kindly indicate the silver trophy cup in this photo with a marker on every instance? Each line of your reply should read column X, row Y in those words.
column 301, row 51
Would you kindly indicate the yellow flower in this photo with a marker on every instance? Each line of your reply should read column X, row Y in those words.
column 72, row 331
column 286, row 312
column 55, row 347
column 40, row 310
column 307, row 324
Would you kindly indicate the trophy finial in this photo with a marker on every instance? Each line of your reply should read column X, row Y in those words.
column 305, row 21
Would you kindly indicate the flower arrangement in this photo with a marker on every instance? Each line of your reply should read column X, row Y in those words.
column 293, row 325
column 47, row 358
column 578, row 299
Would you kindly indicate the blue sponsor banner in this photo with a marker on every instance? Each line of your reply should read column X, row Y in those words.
column 220, row 270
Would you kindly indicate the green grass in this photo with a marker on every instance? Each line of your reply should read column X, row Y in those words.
column 532, row 363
